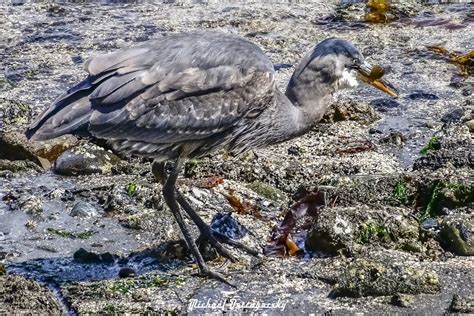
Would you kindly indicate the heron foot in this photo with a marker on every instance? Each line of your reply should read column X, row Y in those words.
column 216, row 240
column 174, row 199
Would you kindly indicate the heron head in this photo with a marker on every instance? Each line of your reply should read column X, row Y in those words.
column 340, row 63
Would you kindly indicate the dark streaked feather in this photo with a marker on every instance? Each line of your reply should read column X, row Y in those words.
column 171, row 90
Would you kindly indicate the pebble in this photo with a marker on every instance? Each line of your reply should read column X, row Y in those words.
column 84, row 160
column 402, row 300
column 84, row 256
column 453, row 116
column 384, row 104
column 127, row 272
column 84, row 210
column 421, row 95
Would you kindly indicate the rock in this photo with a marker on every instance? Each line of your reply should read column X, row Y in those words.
column 13, row 113
column 20, row 296
column 120, row 201
column 84, row 256
column 53, row 148
column 439, row 196
column 84, row 210
column 32, row 205
column 457, row 234
column 225, row 224
column 267, row 191
column 84, row 160
column 413, row 246
column 3, row 271
column 394, row 138
column 461, row 304
column 470, row 125
column 365, row 277
column 384, row 104
column 467, row 91
column 172, row 250
column 295, row 151
column 452, row 146
column 402, row 300
column 18, row 165
column 340, row 228
column 127, row 272
column 350, row 110
column 453, row 116
column 15, row 146
column 443, row 157
column 132, row 222
column 56, row 10
column 421, row 95
column 280, row 66
column 7, row 174
column 429, row 224
column 373, row 131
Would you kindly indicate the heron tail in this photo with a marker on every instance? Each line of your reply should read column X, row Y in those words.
column 69, row 114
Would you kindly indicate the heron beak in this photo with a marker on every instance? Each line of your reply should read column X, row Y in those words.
column 373, row 76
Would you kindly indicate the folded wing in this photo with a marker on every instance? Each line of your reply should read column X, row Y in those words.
column 177, row 88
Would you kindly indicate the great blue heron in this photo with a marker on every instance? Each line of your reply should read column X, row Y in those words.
column 187, row 95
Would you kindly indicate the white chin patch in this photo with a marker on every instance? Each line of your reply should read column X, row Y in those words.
column 348, row 79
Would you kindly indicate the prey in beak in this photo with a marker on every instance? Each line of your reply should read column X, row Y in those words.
column 373, row 76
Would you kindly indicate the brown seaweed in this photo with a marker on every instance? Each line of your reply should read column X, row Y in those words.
column 280, row 242
column 465, row 62
column 379, row 12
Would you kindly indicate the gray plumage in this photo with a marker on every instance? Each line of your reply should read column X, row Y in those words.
column 186, row 95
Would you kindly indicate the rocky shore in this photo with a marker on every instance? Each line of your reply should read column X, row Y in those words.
column 386, row 184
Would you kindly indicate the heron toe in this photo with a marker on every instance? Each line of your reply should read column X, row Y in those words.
column 214, row 239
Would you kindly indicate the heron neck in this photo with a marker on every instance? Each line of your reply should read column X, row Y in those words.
column 310, row 101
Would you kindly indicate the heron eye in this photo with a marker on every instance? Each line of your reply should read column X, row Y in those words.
column 355, row 64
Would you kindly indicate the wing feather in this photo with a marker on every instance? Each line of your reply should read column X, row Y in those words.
column 173, row 89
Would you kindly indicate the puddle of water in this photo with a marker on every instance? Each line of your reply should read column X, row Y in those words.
column 45, row 255
column 38, row 254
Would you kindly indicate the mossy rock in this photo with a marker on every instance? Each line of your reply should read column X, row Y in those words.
column 457, row 234
column 143, row 295
column 435, row 195
column 18, row 165
column 267, row 191
column 20, row 296
column 3, row 271
column 14, row 112
column 342, row 228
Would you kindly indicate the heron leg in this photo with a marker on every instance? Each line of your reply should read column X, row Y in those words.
column 170, row 199
column 159, row 171
column 213, row 238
